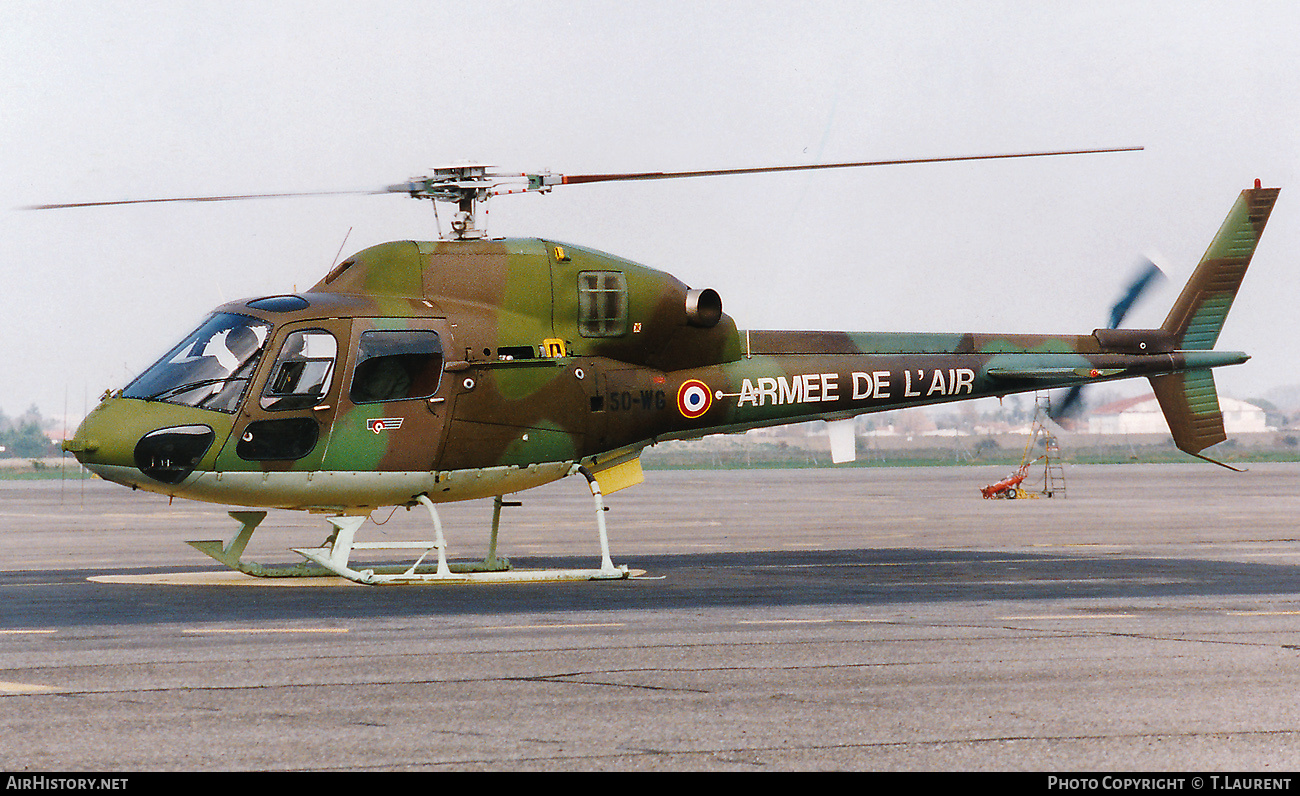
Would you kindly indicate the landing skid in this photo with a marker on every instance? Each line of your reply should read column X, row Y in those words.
column 332, row 558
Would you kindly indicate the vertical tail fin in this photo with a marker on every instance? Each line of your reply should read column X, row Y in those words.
column 1197, row 316
column 1188, row 399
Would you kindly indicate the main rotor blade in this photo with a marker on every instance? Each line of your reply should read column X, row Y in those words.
column 202, row 199
column 576, row 179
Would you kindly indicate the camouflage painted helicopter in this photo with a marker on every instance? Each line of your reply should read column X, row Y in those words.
column 416, row 373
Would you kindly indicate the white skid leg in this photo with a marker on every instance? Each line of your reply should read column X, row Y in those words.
column 345, row 531
column 337, row 559
column 232, row 553
column 492, row 562
column 443, row 570
column 607, row 568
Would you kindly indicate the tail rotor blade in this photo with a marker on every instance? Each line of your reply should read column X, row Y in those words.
column 1148, row 274
column 1069, row 406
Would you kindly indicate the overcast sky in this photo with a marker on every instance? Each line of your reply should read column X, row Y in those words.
column 153, row 99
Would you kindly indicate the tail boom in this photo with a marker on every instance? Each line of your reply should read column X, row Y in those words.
column 786, row 377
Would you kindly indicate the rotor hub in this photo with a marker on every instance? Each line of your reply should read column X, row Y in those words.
column 467, row 185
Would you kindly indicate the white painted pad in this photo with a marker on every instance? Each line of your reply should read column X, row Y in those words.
column 220, row 578
column 23, row 688
column 232, row 578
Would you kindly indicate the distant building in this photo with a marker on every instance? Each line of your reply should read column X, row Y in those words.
column 1142, row 415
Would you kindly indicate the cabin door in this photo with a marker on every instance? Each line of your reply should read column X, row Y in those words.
column 394, row 403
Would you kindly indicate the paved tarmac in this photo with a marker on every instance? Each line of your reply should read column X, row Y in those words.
column 861, row 619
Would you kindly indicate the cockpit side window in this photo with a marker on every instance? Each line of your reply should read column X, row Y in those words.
column 396, row 365
column 210, row 368
column 303, row 372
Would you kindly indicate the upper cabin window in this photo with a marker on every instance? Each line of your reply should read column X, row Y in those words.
column 303, row 372
column 280, row 303
column 602, row 304
column 396, row 365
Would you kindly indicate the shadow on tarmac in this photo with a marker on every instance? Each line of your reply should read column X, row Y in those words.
column 762, row 580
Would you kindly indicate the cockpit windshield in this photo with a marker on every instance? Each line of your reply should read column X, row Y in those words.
column 210, row 368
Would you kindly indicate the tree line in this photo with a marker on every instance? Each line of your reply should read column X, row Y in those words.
column 27, row 435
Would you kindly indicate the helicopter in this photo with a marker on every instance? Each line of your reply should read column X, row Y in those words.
column 416, row 373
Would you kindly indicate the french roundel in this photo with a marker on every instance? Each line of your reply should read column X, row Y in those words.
column 694, row 399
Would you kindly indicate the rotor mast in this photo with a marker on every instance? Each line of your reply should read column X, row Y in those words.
column 467, row 185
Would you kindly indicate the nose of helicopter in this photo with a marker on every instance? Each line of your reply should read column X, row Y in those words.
column 146, row 444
